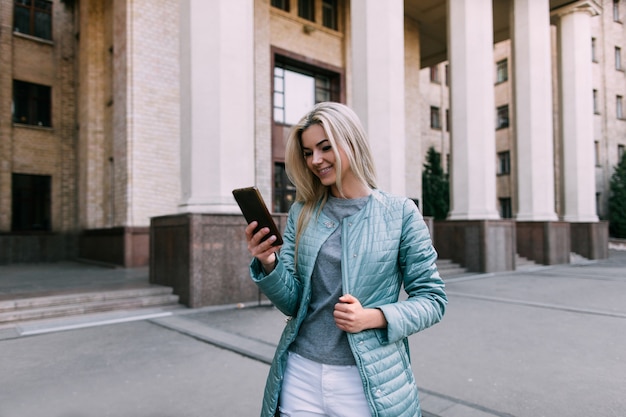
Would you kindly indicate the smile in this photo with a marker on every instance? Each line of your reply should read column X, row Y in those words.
column 324, row 171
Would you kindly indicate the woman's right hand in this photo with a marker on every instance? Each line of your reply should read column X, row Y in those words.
column 263, row 251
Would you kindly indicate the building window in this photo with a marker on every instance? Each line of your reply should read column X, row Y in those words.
column 447, row 75
column 285, row 191
column 434, row 74
column 618, row 58
column 502, row 120
column 296, row 91
column 447, row 120
column 597, row 152
column 596, row 110
column 502, row 71
column 30, row 203
column 31, row 104
column 594, row 56
column 619, row 107
column 435, row 119
column 329, row 14
column 297, row 87
column 620, row 152
column 306, row 9
column 33, row 17
column 616, row 16
column 281, row 4
column 505, row 208
column 504, row 163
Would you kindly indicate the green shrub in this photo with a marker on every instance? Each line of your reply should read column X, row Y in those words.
column 617, row 200
column 435, row 187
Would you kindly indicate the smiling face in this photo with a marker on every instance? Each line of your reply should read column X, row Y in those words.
column 321, row 160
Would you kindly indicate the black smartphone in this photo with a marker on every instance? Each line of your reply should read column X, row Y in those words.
column 254, row 209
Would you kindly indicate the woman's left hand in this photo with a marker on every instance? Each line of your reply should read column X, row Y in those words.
column 351, row 317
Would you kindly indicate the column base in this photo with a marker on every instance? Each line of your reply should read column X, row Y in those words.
column 478, row 245
column 34, row 247
column 118, row 246
column 547, row 243
column 590, row 240
column 203, row 257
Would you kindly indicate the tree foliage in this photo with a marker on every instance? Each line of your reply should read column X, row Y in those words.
column 435, row 186
column 617, row 200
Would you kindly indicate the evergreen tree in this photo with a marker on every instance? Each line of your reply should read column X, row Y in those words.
column 435, row 186
column 617, row 200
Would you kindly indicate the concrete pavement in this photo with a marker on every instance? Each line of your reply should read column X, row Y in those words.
column 548, row 341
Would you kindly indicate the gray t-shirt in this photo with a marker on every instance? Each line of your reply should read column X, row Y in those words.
column 320, row 339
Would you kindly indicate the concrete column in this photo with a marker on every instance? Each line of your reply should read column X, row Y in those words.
column 576, row 105
column 472, row 110
column 532, row 78
column 378, row 85
column 217, row 102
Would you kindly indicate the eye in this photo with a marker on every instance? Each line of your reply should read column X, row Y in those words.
column 326, row 148
column 306, row 154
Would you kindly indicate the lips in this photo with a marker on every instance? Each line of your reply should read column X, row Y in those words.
column 324, row 171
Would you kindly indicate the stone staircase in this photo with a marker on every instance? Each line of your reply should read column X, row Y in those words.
column 85, row 303
column 522, row 263
column 449, row 269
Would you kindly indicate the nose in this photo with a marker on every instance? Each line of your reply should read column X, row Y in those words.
column 317, row 157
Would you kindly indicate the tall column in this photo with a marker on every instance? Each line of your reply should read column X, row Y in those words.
column 532, row 80
column 378, row 85
column 217, row 102
column 472, row 110
column 576, row 116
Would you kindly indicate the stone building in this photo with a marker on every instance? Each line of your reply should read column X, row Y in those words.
column 126, row 124
column 608, row 83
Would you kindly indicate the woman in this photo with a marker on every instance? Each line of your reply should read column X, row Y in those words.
column 348, row 249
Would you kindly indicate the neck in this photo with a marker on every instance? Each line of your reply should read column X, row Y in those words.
column 351, row 191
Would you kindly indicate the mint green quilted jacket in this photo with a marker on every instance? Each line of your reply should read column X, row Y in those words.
column 386, row 245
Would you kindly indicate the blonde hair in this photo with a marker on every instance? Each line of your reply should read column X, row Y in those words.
column 344, row 131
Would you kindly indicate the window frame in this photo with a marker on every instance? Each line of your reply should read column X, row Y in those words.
column 299, row 63
column 34, row 24
column 435, row 118
column 435, row 77
column 596, row 106
column 594, row 51
column 506, row 207
column 504, row 63
column 501, row 122
column 31, row 202
column 306, row 10
column 330, row 10
column 504, row 163
column 281, row 5
column 619, row 107
column 36, row 95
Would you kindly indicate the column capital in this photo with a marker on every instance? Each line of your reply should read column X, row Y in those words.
column 582, row 6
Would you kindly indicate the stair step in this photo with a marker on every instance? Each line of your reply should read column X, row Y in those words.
column 452, row 272
column 447, row 268
column 79, row 298
column 523, row 263
column 41, row 308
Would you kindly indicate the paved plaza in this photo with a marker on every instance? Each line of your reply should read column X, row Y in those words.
column 546, row 341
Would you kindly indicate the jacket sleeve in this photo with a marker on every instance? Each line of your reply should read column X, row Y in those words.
column 281, row 286
column 427, row 299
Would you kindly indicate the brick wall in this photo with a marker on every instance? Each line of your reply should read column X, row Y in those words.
column 31, row 149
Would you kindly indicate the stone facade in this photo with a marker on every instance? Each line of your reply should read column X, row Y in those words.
column 609, row 131
column 115, row 151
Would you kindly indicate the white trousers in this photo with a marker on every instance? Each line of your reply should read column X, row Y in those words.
column 312, row 389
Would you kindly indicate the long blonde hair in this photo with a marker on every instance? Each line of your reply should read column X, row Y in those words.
column 344, row 130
